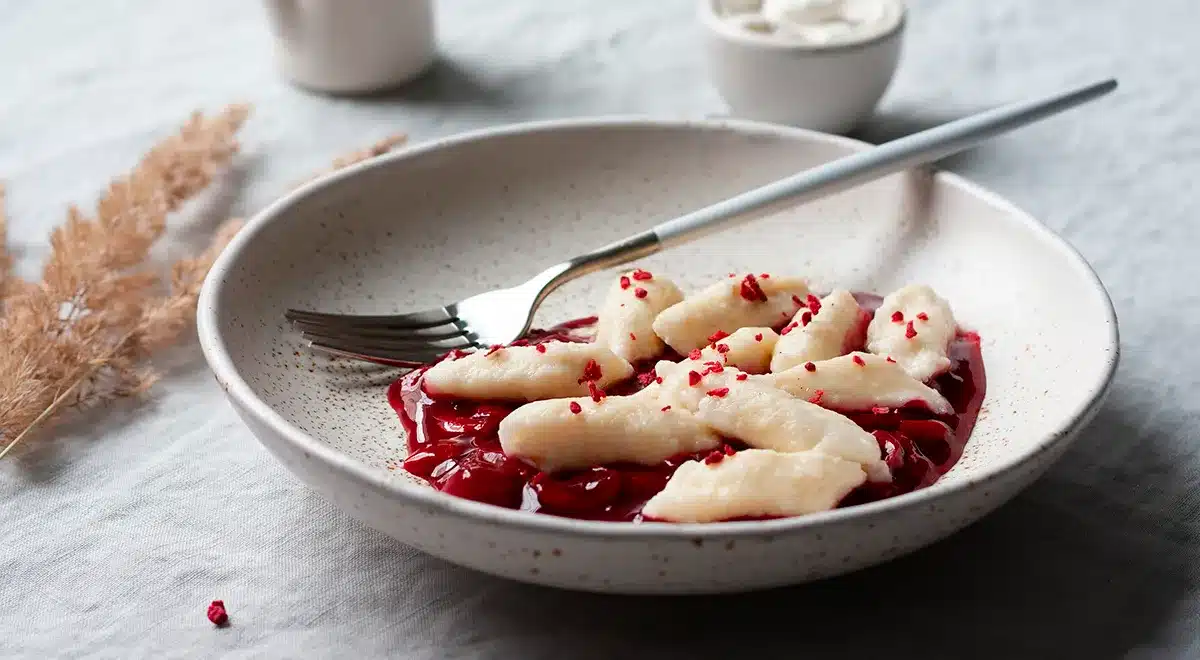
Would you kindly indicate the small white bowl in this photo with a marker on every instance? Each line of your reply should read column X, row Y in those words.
column 440, row 221
column 823, row 88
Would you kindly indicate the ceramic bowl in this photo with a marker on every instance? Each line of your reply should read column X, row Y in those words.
column 823, row 88
column 352, row 46
column 437, row 222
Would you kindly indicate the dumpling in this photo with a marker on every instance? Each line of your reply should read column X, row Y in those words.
column 727, row 306
column 626, row 325
column 527, row 373
column 755, row 482
column 767, row 418
column 685, row 383
column 748, row 349
column 914, row 327
column 858, row 381
column 827, row 328
column 564, row 434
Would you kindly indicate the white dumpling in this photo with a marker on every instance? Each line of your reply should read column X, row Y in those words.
column 838, row 327
column 748, row 349
column 728, row 305
column 767, row 418
column 685, row 383
column 914, row 327
column 564, row 434
column 858, row 381
column 755, row 482
column 626, row 324
column 527, row 373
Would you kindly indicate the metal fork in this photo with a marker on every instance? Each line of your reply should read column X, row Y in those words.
column 504, row 315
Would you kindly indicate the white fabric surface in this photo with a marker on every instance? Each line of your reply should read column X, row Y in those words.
column 116, row 532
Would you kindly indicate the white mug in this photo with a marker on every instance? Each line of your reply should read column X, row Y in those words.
column 352, row 46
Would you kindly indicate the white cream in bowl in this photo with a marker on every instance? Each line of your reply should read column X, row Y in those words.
column 815, row 64
column 814, row 22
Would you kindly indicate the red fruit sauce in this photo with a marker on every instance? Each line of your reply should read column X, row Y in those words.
column 453, row 443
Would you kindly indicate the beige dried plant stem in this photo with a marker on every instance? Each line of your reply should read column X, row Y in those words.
column 378, row 149
column 80, row 323
column 161, row 322
column 5, row 257
column 81, row 335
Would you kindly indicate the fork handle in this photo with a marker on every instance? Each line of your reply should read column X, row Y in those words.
column 891, row 157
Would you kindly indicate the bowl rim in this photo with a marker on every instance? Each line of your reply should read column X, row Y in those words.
column 438, row 503
column 713, row 24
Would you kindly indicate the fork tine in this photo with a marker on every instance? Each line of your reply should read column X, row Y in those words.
column 351, row 355
column 409, row 357
column 352, row 342
column 367, row 333
column 430, row 318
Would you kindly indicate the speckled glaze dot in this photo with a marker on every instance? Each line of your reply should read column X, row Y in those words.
column 442, row 221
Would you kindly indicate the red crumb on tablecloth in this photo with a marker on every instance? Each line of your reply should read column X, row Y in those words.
column 217, row 613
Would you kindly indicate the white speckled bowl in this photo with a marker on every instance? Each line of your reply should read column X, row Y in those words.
column 436, row 222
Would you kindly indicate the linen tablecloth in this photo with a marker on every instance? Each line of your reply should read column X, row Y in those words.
column 116, row 531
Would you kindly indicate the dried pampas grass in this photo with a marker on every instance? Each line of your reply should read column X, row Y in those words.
column 5, row 258
column 378, row 149
column 82, row 335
